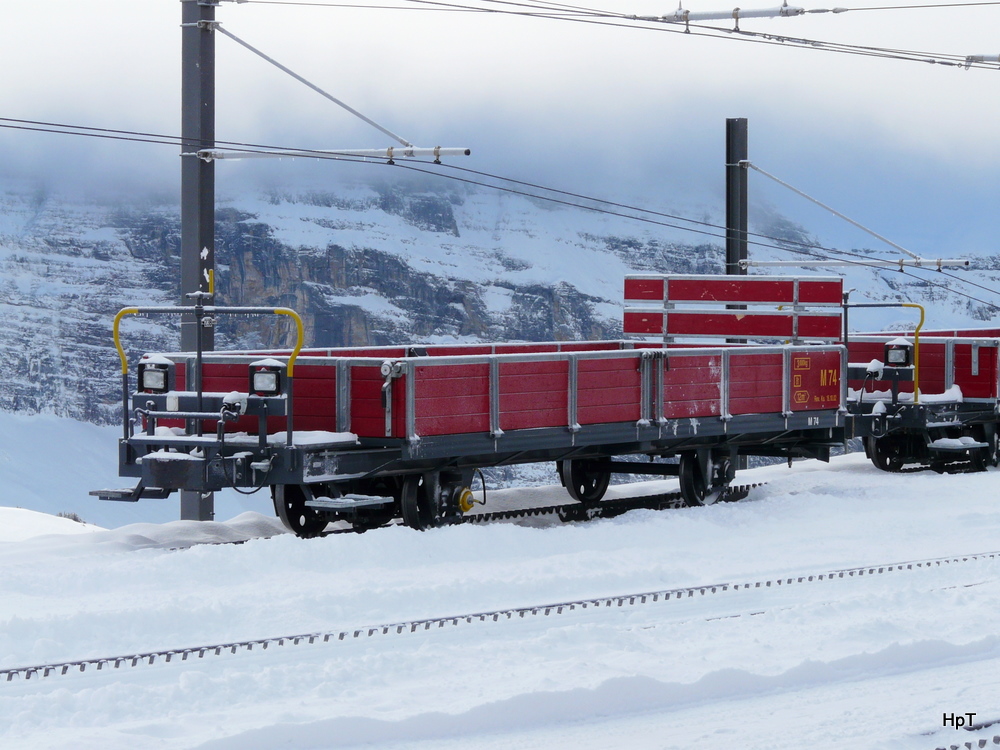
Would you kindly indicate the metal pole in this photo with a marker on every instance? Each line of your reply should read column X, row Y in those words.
column 737, row 156
column 197, row 191
column 736, row 194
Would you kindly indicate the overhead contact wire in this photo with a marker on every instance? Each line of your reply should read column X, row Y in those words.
column 807, row 249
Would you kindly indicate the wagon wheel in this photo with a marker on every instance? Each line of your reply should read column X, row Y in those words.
column 416, row 503
column 290, row 505
column 695, row 488
column 887, row 453
column 583, row 484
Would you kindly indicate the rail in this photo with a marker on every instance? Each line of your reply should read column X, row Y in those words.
column 412, row 626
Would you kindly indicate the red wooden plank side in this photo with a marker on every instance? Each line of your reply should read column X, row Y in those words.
column 686, row 409
column 747, row 365
column 453, row 425
column 226, row 370
column 692, row 392
column 608, row 390
column 821, row 292
column 362, row 352
column 452, row 399
column 535, row 418
column 180, row 376
column 695, row 362
column 761, row 404
column 591, row 346
column 604, row 414
column 314, row 388
column 932, row 367
column 525, row 348
column 643, row 322
column 691, row 387
column 399, row 407
column 983, row 385
column 982, row 333
column 735, row 290
column 224, row 384
column 308, row 371
column 643, row 290
column 755, row 383
column 458, row 351
column 861, row 353
column 367, row 414
column 815, row 381
column 541, row 395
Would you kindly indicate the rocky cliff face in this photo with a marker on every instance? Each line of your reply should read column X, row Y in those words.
column 352, row 263
column 362, row 264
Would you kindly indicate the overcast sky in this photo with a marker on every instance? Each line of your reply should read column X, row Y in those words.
column 908, row 148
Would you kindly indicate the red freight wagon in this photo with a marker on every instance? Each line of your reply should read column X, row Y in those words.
column 930, row 399
column 371, row 434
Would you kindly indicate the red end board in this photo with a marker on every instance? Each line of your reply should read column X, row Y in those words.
column 743, row 324
column 821, row 292
column 643, row 289
column 734, row 290
column 643, row 322
column 732, row 324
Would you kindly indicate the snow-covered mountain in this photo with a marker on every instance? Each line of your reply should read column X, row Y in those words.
column 363, row 264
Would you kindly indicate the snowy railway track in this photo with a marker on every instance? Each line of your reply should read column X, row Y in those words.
column 576, row 511
column 978, row 743
column 411, row 626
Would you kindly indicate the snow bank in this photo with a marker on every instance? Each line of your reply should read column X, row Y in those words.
column 18, row 524
column 50, row 464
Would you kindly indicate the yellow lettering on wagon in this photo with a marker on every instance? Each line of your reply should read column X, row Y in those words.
column 802, row 363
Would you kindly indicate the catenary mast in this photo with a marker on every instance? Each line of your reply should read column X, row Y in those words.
column 197, row 193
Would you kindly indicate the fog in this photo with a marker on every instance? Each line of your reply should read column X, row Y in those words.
column 623, row 114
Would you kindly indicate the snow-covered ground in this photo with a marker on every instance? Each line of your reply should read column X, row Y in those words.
column 50, row 464
column 871, row 661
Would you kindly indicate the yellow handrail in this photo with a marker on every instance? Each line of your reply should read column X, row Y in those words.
column 916, row 351
column 118, row 343
column 299, row 337
column 299, row 328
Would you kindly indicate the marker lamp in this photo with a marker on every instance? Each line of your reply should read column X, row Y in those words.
column 265, row 382
column 898, row 356
column 153, row 378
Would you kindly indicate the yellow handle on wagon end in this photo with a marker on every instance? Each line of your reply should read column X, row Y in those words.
column 916, row 351
column 299, row 328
